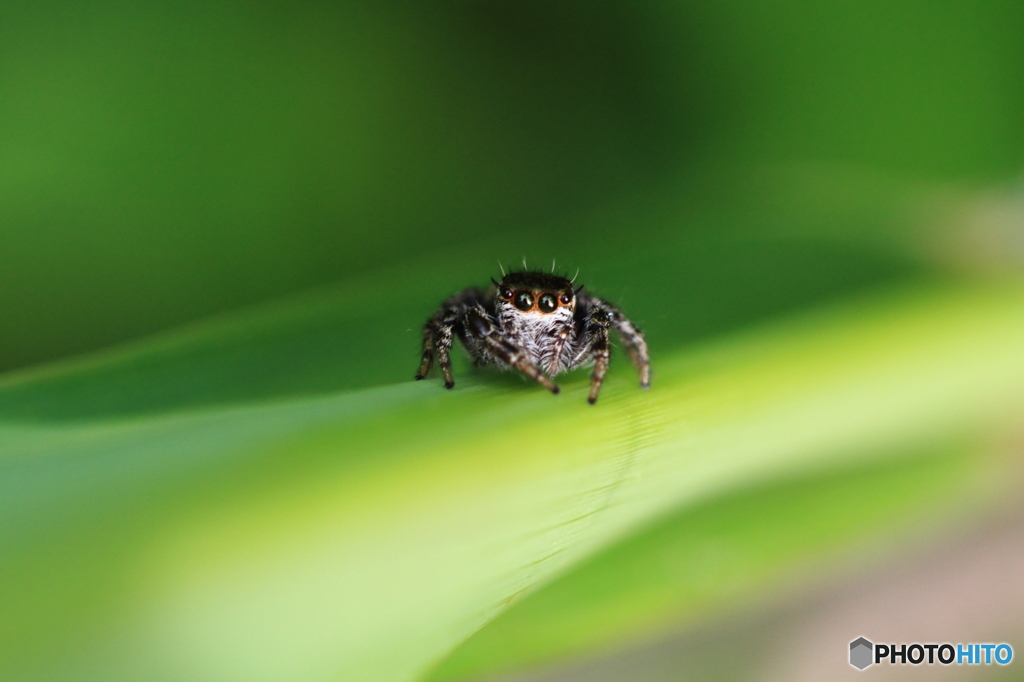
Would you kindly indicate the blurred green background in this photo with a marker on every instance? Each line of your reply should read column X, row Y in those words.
column 164, row 162
column 222, row 226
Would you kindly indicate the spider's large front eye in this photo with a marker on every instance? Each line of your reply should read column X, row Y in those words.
column 547, row 303
column 524, row 301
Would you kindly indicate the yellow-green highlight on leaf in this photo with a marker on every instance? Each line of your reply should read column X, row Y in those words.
column 737, row 552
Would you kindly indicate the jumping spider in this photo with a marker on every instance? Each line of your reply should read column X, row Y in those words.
column 534, row 322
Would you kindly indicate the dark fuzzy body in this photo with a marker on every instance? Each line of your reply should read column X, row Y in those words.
column 535, row 323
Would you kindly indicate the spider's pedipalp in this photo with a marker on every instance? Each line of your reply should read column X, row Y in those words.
column 483, row 328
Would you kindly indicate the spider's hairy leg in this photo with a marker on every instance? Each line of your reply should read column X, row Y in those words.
column 635, row 344
column 437, row 337
column 428, row 353
column 481, row 327
column 599, row 347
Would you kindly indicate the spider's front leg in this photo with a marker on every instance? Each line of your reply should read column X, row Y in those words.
column 601, row 317
column 633, row 338
column 439, row 331
column 482, row 328
column 437, row 337
column 600, row 348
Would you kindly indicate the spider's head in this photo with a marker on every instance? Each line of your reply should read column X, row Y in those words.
column 535, row 293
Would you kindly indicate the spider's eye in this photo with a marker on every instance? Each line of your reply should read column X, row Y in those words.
column 506, row 294
column 566, row 299
column 524, row 301
column 547, row 303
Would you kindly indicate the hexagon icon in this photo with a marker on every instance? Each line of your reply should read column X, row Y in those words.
column 860, row 653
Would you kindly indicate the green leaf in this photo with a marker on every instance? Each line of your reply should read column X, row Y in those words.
column 737, row 553
column 365, row 534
